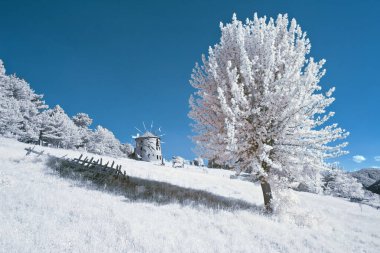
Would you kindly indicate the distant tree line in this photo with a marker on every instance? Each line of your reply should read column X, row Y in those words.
column 25, row 116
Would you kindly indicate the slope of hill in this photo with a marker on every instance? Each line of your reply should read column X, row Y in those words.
column 41, row 212
column 369, row 178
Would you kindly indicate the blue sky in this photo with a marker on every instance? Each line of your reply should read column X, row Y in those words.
column 125, row 62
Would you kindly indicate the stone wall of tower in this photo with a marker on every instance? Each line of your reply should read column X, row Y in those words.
column 149, row 149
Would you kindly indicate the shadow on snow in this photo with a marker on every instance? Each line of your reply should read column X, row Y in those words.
column 138, row 189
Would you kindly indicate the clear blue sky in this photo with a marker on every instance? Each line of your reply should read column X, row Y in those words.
column 125, row 62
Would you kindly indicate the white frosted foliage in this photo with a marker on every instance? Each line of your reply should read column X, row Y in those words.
column 58, row 129
column 341, row 184
column 258, row 104
column 103, row 142
column 19, row 108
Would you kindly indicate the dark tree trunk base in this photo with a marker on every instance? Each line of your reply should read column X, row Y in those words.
column 267, row 193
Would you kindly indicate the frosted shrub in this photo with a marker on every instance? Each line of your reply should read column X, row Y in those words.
column 198, row 162
column 340, row 184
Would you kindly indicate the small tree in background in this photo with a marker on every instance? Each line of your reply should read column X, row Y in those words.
column 127, row 149
column 104, row 142
column 83, row 122
column 58, row 129
column 258, row 104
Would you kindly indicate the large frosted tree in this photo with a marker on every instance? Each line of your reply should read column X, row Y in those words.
column 259, row 105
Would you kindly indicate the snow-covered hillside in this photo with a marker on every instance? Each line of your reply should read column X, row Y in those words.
column 41, row 212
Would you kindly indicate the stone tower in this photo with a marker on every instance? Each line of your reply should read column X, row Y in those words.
column 148, row 147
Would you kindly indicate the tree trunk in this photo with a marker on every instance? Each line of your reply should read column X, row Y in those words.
column 40, row 138
column 267, row 193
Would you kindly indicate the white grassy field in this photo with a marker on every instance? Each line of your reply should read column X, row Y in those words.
column 41, row 212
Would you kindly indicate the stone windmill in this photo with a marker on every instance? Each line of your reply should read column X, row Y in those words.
column 148, row 147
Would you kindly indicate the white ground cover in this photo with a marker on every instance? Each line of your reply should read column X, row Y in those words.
column 41, row 212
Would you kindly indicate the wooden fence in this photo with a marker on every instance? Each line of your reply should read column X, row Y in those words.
column 86, row 162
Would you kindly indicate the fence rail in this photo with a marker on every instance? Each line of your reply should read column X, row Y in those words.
column 86, row 162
